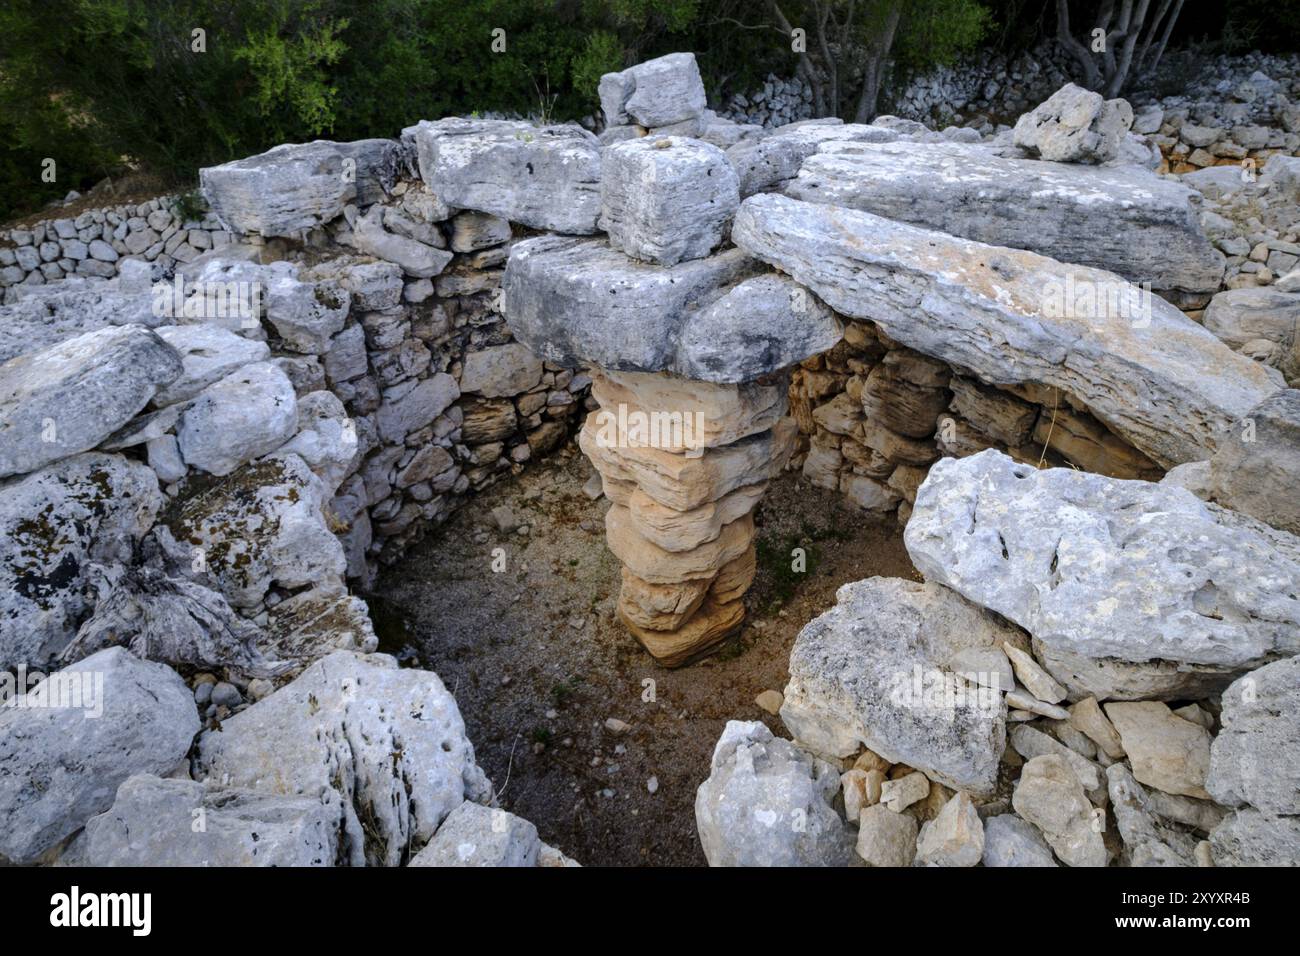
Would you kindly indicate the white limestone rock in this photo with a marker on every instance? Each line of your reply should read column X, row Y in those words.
column 877, row 671
column 545, row 177
column 768, row 161
column 326, row 438
column 1126, row 221
column 666, row 198
column 1010, row 841
column 69, row 397
column 60, row 530
column 1248, row 837
column 416, row 258
column 1238, row 316
column 151, row 823
column 500, row 371
column 1075, row 125
column 282, row 192
column 658, row 92
column 306, row 314
column 768, row 803
column 954, row 838
column 1102, row 568
column 475, row 835
column 208, row 353
column 1050, row 797
column 1254, row 470
column 60, row 764
column 384, row 746
column 246, row 414
column 1158, row 379
column 1255, row 759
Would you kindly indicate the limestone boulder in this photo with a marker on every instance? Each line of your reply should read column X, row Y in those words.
column 1075, row 125
column 1126, row 220
column 1255, row 758
column 1159, row 380
column 61, row 529
column 263, row 524
column 416, row 258
column 282, row 192
column 326, row 438
column 1010, row 841
column 1254, row 469
column 1093, row 567
column 954, row 838
column 246, row 414
column 67, row 745
column 208, row 353
column 768, row 803
column 666, row 198
column 886, row 838
column 384, row 746
column 1238, row 316
column 1166, row 751
column 545, row 177
column 306, row 314
column 500, row 371
column 1049, row 796
column 69, row 397
column 879, row 670
column 151, row 823
column 658, row 92
column 1148, row 841
column 475, row 835
column 1248, row 837
column 769, row 161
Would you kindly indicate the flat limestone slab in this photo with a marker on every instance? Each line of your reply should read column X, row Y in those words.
column 1124, row 220
column 1154, row 376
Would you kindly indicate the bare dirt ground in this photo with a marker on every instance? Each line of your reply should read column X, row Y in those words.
column 537, row 660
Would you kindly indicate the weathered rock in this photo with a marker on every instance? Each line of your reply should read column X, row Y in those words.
column 316, row 622
column 1036, row 680
column 886, row 838
column 261, row 525
column 666, row 198
column 1255, row 467
column 580, row 302
column 246, row 414
column 1031, row 743
column 1238, row 316
column 1126, row 221
column 954, row 838
column 767, row 161
column 282, row 192
column 876, row 670
column 1158, row 379
column 152, row 823
column 1251, row 838
column 384, row 746
column 546, row 177
column 1075, row 125
column 416, row 258
column 1050, row 797
column 61, row 530
column 1255, row 759
column 1010, row 841
column 767, row 803
column 1148, row 842
column 1101, row 568
column 500, row 371
column 658, row 92
column 899, row 793
column 475, row 835
column 65, row 748
column 208, row 353
column 306, row 314
column 417, row 408
column 1087, row 717
column 1166, row 751
column 69, row 397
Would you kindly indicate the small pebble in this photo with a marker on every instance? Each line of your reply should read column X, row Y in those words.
column 652, row 785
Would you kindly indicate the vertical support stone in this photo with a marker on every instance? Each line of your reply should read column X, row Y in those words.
column 684, row 464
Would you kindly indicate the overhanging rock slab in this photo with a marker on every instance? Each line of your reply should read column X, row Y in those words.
column 1124, row 220
column 1143, row 368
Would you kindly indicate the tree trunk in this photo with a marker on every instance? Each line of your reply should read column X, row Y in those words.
column 875, row 68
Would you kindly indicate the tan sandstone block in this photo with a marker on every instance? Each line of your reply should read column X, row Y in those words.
column 659, row 607
column 675, row 530
column 653, row 564
column 708, row 626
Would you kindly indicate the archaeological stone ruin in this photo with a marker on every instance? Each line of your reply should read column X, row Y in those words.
column 1058, row 361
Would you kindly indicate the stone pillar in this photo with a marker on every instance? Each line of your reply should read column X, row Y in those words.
column 684, row 464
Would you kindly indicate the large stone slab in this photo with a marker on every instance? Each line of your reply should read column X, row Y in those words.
column 1158, row 379
column 387, row 746
column 60, row 528
column 67, row 746
column 1124, row 220
column 880, row 670
column 768, row 803
column 69, row 397
column 1103, row 568
column 577, row 302
column 546, row 177
column 45, row 315
column 282, row 192
column 153, row 823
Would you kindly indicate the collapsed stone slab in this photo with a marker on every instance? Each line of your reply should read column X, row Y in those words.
column 545, row 177
column 63, row 756
column 69, row 397
column 1125, row 220
column 1103, row 569
column 1149, row 373
column 881, row 670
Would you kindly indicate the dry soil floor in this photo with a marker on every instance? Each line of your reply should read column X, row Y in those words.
column 538, row 662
